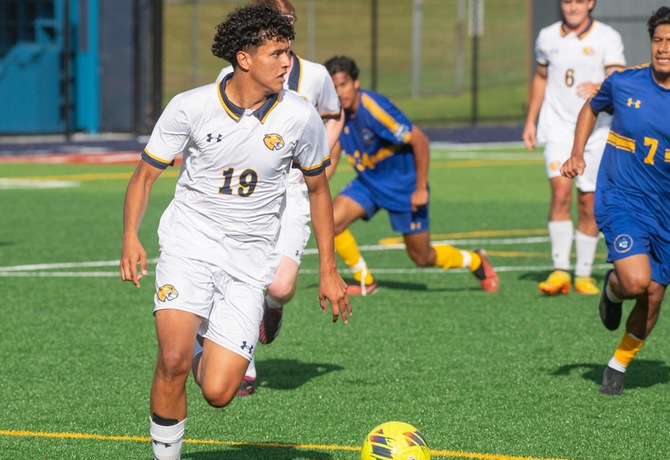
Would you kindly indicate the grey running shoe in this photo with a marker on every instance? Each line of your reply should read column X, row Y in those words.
column 247, row 387
column 610, row 312
column 612, row 382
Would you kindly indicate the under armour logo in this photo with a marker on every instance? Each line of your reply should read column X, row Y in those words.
column 210, row 138
column 636, row 103
column 249, row 348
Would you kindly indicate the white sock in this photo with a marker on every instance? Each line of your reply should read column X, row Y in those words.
column 251, row 370
column 560, row 234
column 586, row 252
column 272, row 303
column 616, row 365
column 467, row 258
column 360, row 265
column 166, row 440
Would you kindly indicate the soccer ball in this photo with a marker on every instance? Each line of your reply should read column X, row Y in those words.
column 395, row 441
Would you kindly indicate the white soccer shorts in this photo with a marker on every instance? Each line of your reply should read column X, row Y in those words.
column 557, row 153
column 231, row 309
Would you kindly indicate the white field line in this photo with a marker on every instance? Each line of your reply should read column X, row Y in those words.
column 53, row 270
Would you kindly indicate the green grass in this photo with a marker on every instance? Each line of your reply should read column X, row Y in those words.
column 484, row 376
column 344, row 27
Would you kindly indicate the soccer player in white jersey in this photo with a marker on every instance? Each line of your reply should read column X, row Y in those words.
column 239, row 140
column 573, row 58
column 312, row 81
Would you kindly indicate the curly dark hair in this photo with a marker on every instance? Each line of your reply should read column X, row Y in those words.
column 247, row 28
column 659, row 17
column 342, row 64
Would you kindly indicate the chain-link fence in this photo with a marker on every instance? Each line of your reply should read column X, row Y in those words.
column 439, row 60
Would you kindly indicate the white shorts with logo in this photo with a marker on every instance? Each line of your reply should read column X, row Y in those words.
column 294, row 230
column 231, row 309
column 557, row 153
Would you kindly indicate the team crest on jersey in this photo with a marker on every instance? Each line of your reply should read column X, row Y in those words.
column 623, row 243
column 167, row 292
column 273, row 141
column 367, row 135
column 588, row 51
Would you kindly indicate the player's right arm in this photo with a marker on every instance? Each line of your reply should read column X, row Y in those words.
column 137, row 198
column 586, row 121
column 537, row 89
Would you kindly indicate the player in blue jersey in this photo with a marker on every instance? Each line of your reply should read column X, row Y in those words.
column 239, row 139
column 632, row 193
column 390, row 156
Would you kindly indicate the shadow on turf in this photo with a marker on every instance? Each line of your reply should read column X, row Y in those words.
column 641, row 374
column 260, row 452
column 289, row 374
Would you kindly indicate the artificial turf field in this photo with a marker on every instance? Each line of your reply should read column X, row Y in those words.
column 499, row 376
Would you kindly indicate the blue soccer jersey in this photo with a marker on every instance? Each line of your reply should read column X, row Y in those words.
column 376, row 142
column 636, row 162
column 633, row 186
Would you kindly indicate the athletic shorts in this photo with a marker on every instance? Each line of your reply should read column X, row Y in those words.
column 231, row 309
column 557, row 153
column 294, row 229
column 403, row 222
column 630, row 232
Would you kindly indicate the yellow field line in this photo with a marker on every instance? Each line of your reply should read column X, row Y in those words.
column 443, row 453
column 482, row 163
column 473, row 234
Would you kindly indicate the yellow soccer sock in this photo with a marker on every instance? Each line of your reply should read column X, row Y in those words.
column 627, row 349
column 451, row 257
column 347, row 248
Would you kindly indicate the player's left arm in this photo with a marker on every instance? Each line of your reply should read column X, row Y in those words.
column 332, row 287
column 420, row 144
column 333, row 129
column 335, row 154
column 586, row 121
column 588, row 88
column 613, row 58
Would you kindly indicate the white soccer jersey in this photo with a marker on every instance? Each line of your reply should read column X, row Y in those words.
column 572, row 59
column 233, row 176
column 313, row 82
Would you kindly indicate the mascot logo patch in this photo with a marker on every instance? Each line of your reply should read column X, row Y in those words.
column 587, row 51
column 623, row 243
column 273, row 141
column 167, row 292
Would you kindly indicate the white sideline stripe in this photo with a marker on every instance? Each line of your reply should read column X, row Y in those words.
column 36, row 270
column 62, row 274
column 432, row 271
column 377, row 247
column 101, row 263
column 10, row 184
